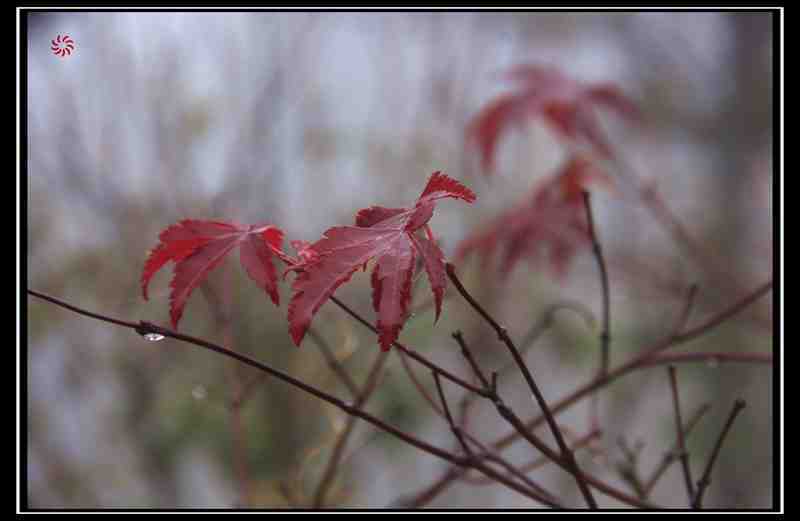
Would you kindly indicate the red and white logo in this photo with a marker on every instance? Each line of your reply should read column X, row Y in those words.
column 62, row 45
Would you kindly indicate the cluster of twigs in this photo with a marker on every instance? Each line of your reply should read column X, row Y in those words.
column 470, row 453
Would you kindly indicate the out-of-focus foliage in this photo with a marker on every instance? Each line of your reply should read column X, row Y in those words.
column 300, row 119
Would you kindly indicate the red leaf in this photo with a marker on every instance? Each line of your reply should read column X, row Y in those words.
column 433, row 260
column 375, row 214
column 197, row 247
column 550, row 223
column 564, row 103
column 383, row 234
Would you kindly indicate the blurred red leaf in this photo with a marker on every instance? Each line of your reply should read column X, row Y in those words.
column 197, row 247
column 550, row 222
column 565, row 104
column 384, row 234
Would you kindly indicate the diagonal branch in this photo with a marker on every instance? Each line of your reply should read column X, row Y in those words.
column 697, row 502
column 338, row 450
column 669, row 456
column 502, row 333
column 411, row 353
column 143, row 327
column 674, row 338
column 333, row 363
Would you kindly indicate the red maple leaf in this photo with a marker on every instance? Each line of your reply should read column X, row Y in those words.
column 388, row 235
column 197, row 247
column 565, row 104
column 551, row 222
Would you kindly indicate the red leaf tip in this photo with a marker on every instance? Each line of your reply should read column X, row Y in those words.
column 440, row 186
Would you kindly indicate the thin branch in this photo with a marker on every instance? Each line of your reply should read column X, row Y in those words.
column 637, row 362
column 453, row 427
column 418, row 385
column 143, row 327
column 459, row 338
column 702, row 485
column 709, row 358
column 721, row 317
column 538, row 462
column 502, row 333
column 642, row 360
column 329, row 473
column 491, row 455
column 333, row 363
column 684, row 456
column 147, row 327
column 564, row 463
column 548, row 319
column 411, row 353
column 605, row 335
column 629, row 469
column 669, row 456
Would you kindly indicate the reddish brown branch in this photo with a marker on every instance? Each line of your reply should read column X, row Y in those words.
column 333, row 363
column 502, row 333
column 702, row 485
column 411, row 353
column 605, row 334
column 683, row 455
column 669, row 456
column 637, row 362
column 143, row 327
column 329, row 473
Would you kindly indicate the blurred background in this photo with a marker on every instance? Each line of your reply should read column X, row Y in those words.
column 301, row 119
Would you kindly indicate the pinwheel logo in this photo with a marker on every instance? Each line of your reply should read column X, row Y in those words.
column 62, row 45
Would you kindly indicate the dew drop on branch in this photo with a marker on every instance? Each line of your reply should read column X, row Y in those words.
column 153, row 337
column 199, row 392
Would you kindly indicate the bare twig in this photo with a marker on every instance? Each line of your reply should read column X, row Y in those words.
column 333, row 363
column 329, row 473
column 628, row 469
column 548, row 319
column 684, row 456
column 669, row 456
column 643, row 359
column 418, row 385
column 411, row 353
column 538, row 462
column 674, row 338
column 702, row 485
column 221, row 310
column 502, row 333
column 143, row 327
column 710, row 358
column 605, row 334
column 459, row 338
column 453, row 427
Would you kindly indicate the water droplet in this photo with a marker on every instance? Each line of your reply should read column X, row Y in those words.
column 712, row 363
column 199, row 393
column 153, row 337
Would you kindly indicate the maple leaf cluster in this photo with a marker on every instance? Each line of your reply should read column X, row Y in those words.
column 550, row 222
column 563, row 103
column 394, row 237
